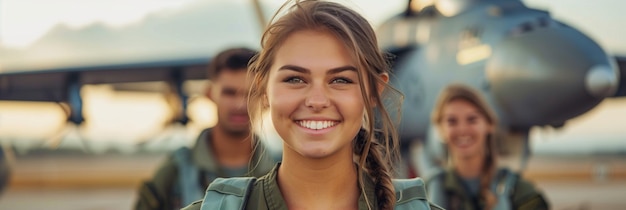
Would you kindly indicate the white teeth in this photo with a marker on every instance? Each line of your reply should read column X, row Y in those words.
column 316, row 125
column 464, row 140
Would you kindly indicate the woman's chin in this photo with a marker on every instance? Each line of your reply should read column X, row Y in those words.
column 314, row 153
column 465, row 152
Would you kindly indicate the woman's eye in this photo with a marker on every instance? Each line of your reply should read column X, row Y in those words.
column 294, row 80
column 341, row 81
column 451, row 122
column 472, row 119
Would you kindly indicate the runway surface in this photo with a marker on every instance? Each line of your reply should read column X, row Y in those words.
column 108, row 182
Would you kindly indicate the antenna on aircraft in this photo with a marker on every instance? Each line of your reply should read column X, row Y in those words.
column 259, row 13
column 416, row 6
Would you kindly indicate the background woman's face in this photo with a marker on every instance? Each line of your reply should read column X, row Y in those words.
column 464, row 129
column 314, row 95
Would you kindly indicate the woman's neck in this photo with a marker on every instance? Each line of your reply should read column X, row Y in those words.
column 327, row 183
column 468, row 167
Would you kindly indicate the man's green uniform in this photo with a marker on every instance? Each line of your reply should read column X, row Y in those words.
column 450, row 191
column 186, row 174
column 265, row 195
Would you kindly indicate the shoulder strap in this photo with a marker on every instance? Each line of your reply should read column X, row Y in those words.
column 435, row 186
column 411, row 194
column 228, row 193
column 188, row 176
column 503, row 188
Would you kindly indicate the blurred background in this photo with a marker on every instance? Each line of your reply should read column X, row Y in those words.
column 55, row 164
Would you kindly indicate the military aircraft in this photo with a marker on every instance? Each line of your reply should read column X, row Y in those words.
column 534, row 70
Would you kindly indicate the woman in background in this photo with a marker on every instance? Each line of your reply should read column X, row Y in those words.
column 472, row 179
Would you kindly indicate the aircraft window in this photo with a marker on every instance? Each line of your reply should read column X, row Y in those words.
column 542, row 22
column 523, row 28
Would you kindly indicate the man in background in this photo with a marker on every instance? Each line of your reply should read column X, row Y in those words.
column 225, row 150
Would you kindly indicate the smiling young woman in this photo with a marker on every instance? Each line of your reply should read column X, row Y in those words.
column 323, row 80
column 472, row 179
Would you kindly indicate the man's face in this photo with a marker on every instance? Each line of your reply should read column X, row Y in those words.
column 229, row 92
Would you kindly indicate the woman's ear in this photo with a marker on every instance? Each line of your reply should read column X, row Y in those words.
column 381, row 86
column 265, row 101
column 437, row 131
column 492, row 129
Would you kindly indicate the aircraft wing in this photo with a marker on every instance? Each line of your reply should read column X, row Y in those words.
column 55, row 85
column 64, row 84
column 621, row 88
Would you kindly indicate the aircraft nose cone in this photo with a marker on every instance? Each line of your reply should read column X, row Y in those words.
column 548, row 76
column 601, row 81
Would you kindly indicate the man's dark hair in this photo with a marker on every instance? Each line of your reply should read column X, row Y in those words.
column 231, row 59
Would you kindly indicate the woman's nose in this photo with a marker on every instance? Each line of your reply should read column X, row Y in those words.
column 317, row 99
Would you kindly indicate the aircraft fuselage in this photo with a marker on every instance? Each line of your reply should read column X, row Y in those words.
column 532, row 69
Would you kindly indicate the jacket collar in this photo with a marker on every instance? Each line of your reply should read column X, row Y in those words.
column 203, row 156
column 275, row 200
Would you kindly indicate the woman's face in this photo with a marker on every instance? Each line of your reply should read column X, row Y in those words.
column 464, row 129
column 314, row 95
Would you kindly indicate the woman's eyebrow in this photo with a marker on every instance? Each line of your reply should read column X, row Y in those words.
column 306, row 71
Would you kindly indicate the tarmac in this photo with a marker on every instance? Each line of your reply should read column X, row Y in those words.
column 109, row 182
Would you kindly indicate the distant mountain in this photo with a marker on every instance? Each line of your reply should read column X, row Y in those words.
column 199, row 29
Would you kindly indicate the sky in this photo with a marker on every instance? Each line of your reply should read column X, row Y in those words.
column 22, row 22
column 95, row 32
column 37, row 34
column 38, row 24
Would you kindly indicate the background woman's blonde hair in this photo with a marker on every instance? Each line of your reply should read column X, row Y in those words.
column 466, row 93
column 375, row 154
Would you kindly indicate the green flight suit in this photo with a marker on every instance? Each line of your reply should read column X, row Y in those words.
column 457, row 197
column 163, row 191
column 5, row 170
column 266, row 195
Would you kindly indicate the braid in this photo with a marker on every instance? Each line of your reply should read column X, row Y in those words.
column 382, row 178
column 377, row 168
column 489, row 171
